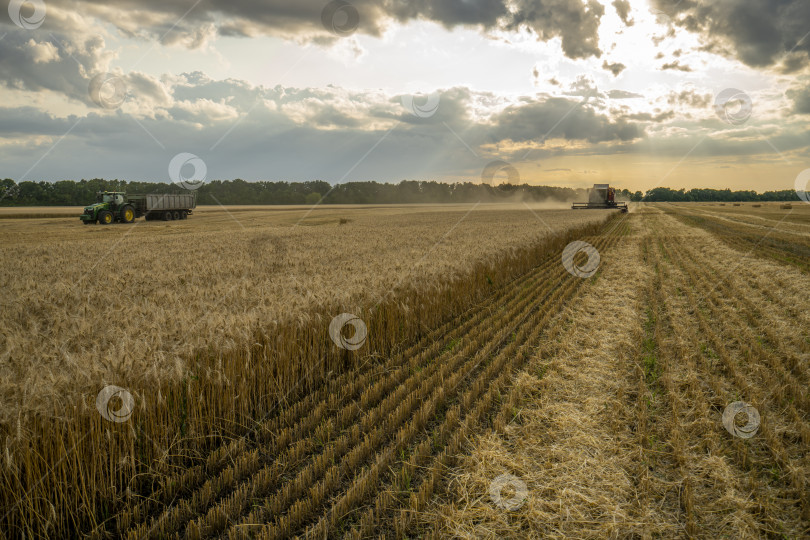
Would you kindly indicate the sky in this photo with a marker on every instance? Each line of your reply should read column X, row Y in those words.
column 638, row 93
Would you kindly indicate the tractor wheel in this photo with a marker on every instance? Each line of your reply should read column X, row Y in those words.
column 184, row 215
column 176, row 215
column 127, row 214
column 105, row 217
column 88, row 222
column 167, row 216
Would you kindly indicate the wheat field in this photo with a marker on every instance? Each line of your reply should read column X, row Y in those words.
column 212, row 322
column 495, row 392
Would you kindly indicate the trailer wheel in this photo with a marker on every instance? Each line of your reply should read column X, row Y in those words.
column 176, row 215
column 184, row 215
column 128, row 214
column 105, row 217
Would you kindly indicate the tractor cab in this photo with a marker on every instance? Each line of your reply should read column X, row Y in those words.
column 114, row 198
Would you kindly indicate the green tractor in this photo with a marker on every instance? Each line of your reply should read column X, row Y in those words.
column 110, row 206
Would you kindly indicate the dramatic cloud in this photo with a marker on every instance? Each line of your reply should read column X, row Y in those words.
column 622, row 94
column 623, row 10
column 647, row 117
column 759, row 32
column 55, row 62
column 576, row 22
column 534, row 122
column 616, row 68
column 583, row 87
column 676, row 65
column 689, row 97
column 286, row 90
column 800, row 98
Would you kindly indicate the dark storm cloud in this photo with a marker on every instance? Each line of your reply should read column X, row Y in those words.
column 623, row 10
column 30, row 121
column 292, row 134
column 800, row 98
column 451, row 105
column 616, row 68
column 449, row 12
column 689, row 97
column 64, row 61
column 576, row 22
column 622, row 94
column 37, row 62
column 758, row 32
column 676, row 66
column 562, row 118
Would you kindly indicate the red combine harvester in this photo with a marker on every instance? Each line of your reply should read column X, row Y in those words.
column 602, row 197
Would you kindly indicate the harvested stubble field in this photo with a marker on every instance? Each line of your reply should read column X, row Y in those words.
column 603, row 396
column 782, row 234
column 615, row 423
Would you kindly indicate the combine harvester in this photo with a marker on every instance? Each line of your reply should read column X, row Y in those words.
column 602, row 197
column 115, row 206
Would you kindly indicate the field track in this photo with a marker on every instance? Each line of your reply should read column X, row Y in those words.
column 363, row 455
column 617, row 425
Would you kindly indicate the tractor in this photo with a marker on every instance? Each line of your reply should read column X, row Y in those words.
column 110, row 206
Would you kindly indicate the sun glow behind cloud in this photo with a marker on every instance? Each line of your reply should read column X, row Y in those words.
column 634, row 106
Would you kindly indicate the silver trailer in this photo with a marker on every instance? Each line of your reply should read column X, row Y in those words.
column 165, row 206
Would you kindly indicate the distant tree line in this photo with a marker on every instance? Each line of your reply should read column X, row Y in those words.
column 234, row 192
column 663, row 194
